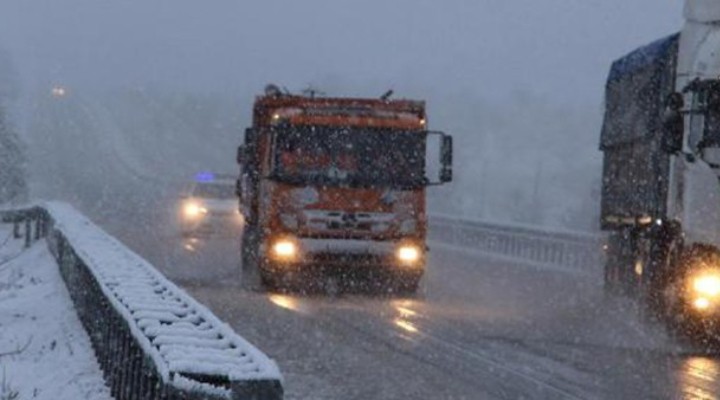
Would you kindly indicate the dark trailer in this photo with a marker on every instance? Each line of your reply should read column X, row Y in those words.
column 635, row 167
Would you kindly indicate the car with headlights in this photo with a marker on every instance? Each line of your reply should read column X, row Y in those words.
column 209, row 206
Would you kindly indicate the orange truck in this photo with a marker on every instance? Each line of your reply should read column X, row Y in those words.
column 337, row 186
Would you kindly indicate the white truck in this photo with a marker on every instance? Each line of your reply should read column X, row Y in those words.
column 661, row 188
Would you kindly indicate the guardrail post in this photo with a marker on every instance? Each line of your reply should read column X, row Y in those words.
column 126, row 380
column 38, row 225
column 28, row 232
column 115, row 348
column 16, row 228
column 151, row 382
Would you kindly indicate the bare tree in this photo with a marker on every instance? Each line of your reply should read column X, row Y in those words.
column 13, row 187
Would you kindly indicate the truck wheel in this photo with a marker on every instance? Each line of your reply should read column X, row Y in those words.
column 649, row 307
column 268, row 280
column 272, row 280
column 612, row 277
column 249, row 249
column 249, row 259
column 407, row 284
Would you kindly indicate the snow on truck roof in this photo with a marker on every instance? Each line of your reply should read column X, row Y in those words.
column 655, row 52
column 319, row 103
column 378, row 112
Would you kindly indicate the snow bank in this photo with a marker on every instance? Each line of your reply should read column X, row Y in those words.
column 44, row 351
column 182, row 337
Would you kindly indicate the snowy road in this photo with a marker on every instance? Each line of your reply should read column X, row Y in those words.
column 481, row 329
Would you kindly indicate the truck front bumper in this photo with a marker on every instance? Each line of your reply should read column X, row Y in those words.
column 345, row 254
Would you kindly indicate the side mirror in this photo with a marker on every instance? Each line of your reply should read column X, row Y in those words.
column 673, row 124
column 241, row 155
column 446, row 157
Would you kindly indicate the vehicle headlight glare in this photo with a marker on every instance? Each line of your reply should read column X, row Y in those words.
column 701, row 303
column 708, row 285
column 194, row 210
column 408, row 254
column 285, row 249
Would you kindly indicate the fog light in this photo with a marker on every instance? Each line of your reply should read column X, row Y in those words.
column 708, row 285
column 285, row 249
column 408, row 254
column 701, row 303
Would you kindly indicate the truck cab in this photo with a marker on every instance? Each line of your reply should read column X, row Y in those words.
column 336, row 185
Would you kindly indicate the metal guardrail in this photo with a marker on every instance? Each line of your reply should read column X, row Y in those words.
column 151, row 339
column 23, row 223
column 577, row 251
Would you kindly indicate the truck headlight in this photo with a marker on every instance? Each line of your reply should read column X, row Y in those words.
column 194, row 210
column 701, row 303
column 705, row 289
column 408, row 254
column 284, row 249
column 707, row 285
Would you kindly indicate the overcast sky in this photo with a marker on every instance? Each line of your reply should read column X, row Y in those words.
column 558, row 49
column 519, row 83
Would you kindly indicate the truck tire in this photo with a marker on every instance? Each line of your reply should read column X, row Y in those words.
column 612, row 286
column 661, row 259
column 249, row 249
column 249, row 258
column 619, row 265
column 269, row 280
column 407, row 284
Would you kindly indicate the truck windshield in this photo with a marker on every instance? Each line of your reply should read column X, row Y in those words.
column 350, row 156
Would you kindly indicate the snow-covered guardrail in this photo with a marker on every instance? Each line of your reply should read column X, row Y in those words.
column 153, row 341
column 29, row 219
column 578, row 251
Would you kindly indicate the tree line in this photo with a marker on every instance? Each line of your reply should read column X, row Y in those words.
column 13, row 183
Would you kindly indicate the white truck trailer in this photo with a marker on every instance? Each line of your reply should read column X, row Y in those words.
column 661, row 188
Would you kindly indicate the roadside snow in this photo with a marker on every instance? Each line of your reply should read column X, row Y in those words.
column 44, row 350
